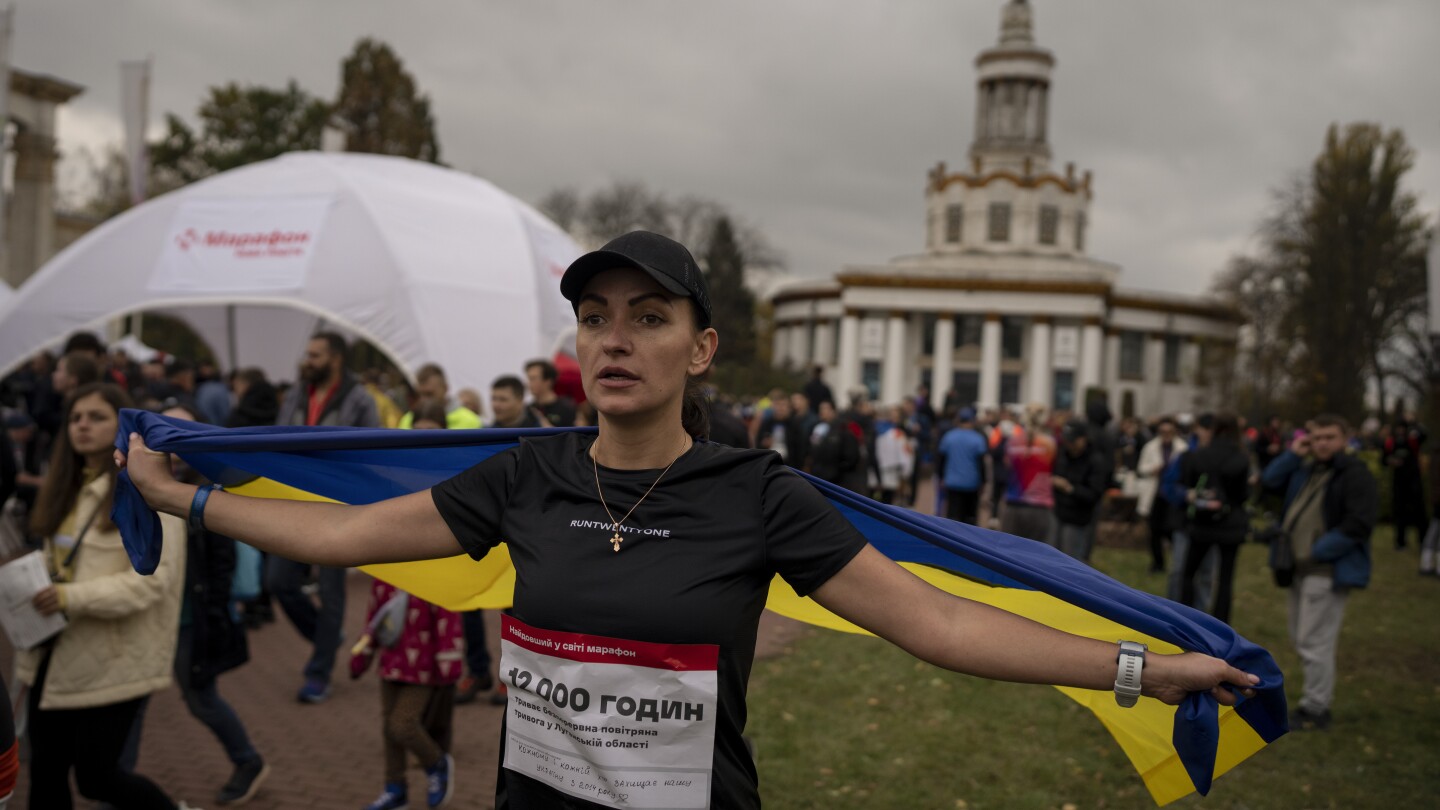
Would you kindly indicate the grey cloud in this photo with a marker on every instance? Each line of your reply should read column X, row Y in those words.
column 815, row 120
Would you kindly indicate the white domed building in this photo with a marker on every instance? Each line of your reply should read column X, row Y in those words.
column 1004, row 307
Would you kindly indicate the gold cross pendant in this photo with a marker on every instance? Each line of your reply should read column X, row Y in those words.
column 615, row 541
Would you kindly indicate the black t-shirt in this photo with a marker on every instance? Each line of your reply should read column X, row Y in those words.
column 560, row 413
column 735, row 519
column 527, row 419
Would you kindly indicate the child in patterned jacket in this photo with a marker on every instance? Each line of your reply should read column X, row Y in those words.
column 421, row 658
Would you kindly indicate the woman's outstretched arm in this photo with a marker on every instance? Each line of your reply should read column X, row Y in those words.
column 396, row 530
column 966, row 636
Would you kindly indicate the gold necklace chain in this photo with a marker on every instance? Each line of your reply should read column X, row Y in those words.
column 615, row 538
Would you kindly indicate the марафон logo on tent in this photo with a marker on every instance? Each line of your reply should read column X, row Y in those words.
column 246, row 244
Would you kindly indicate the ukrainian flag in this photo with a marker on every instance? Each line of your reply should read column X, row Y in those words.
column 1175, row 750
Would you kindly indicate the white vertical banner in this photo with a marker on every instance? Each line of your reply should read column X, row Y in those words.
column 553, row 251
column 1432, row 281
column 135, row 111
column 7, row 21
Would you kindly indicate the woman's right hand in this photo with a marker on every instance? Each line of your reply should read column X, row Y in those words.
column 150, row 473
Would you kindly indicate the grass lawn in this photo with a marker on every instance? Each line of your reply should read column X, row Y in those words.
column 849, row 721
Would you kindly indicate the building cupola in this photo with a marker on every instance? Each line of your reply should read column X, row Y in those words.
column 1012, row 97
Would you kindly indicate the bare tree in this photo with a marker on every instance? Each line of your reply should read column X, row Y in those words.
column 1336, row 291
column 629, row 205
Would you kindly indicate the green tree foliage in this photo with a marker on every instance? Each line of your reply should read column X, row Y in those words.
column 732, row 302
column 380, row 108
column 238, row 126
column 1338, row 286
column 109, row 191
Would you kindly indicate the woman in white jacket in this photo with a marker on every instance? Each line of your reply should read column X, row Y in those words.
column 1157, row 454
column 87, row 684
column 894, row 455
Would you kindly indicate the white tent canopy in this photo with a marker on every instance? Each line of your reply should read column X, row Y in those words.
column 426, row 263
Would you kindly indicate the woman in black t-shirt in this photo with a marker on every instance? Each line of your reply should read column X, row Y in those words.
column 643, row 558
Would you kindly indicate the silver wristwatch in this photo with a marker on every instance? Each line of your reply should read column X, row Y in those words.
column 1127, row 676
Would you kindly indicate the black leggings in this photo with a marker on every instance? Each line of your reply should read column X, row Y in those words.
column 90, row 742
column 1159, row 523
column 1224, row 577
column 962, row 505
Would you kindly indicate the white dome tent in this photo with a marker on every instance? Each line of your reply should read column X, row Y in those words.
column 426, row 263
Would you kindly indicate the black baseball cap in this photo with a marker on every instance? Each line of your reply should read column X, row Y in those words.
column 663, row 259
column 1075, row 429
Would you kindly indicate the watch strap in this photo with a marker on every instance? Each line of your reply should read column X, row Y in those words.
column 1127, row 675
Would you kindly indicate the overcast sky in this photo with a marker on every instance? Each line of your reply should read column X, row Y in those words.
column 814, row 121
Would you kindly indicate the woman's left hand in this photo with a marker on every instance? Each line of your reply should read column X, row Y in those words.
column 47, row 601
column 1169, row 678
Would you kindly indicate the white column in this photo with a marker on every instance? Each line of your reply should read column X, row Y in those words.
column 1041, row 375
column 1091, row 339
column 800, row 345
column 1151, row 400
column 1193, row 395
column 1040, row 115
column 990, row 362
column 780, row 346
column 1111, row 372
column 892, row 376
column 847, row 377
column 942, row 368
column 914, row 349
column 824, row 343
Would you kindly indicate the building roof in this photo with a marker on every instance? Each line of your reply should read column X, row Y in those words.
column 43, row 86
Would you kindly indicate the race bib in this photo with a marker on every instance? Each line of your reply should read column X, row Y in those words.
column 615, row 722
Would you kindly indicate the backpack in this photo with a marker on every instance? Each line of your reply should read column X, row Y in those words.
column 388, row 624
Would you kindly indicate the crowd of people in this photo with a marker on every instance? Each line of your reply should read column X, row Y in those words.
column 1043, row 474
column 58, row 482
column 1202, row 485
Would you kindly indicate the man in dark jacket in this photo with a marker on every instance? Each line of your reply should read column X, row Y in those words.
column 1102, row 437
column 725, row 427
column 816, row 390
column 1104, row 440
column 835, row 451
column 1079, row 482
column 1401, row 454
column 327, row 394
column 776, row 430
column 802, row 424
column 1331, row 504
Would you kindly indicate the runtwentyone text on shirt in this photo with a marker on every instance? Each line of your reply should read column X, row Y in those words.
column 607, row 526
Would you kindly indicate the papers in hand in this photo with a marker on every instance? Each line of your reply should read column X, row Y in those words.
column 20, row 580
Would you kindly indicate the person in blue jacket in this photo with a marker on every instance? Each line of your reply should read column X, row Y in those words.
column 962, row 454
column 1331, row 505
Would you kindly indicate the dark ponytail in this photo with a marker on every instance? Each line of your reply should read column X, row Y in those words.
column 695, row 411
